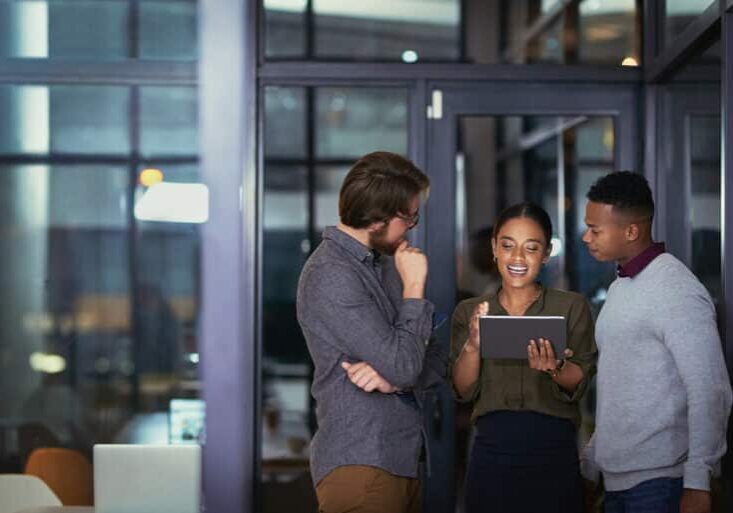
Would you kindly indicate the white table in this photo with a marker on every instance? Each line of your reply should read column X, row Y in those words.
column 59, row 509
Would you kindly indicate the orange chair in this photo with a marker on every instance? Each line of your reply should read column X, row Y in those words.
column 66, row 471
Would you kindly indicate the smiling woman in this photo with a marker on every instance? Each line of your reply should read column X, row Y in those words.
column 529, row 399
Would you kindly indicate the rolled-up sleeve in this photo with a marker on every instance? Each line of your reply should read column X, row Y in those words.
column 458, row 337
column 361, row 329
column 581, row 340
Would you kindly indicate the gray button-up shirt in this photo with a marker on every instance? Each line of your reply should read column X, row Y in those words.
column 350, row 307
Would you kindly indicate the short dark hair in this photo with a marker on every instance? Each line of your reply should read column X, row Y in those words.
column 627, row 192
column 529, row 210
column 378, row 187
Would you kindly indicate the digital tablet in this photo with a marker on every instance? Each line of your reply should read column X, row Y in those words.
column 505, row 336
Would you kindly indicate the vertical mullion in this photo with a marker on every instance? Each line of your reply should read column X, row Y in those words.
column 312, row 184
column 310, row 31
column 133, row 27
column 726, row 211
column 133, row 240
column 571, row 33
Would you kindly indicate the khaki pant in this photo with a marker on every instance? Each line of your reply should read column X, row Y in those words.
column 362, row 489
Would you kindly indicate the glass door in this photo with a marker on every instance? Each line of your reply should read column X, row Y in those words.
column 493, row 145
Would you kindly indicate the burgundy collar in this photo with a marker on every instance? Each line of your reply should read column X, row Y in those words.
column 640, row 261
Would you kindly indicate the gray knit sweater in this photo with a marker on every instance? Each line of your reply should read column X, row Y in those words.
column 664, row 395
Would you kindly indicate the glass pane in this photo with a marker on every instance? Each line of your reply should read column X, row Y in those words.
column 328, row 185
column 679, row 14
column 506, row 160
column 90, row 119
column 285, row 30
column 354, row 121
column 477, row 31
column 66, row 319
column 301, row 186
column 88, row 196
column 168, row 284
column 100, row 333
column 168, row 30
column 608, row 32
column 168, row 121
column 285, row 126
column 705, row 169
column 64, row 119
column 98, row 30
column 395, row 30
column 61, row 28
column 548, row 46
column 25, row 120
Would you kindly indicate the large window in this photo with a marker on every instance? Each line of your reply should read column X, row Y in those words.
column 98, row 30
column 479, row 31
column 103, row 205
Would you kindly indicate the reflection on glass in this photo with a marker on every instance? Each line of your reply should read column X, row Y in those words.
column 168, row 30
column 285, row 30
column 90, row 119
column 679, row 14
column 167, row 292
column 285, row 130
column 478, row 31
column 311, row 138
column 98, row 30
column 608, row 32
column 100, row 316
column 168, row 121
column 66, row 315
column 552, row 161
column 385, row 29
column 705, row 187
column 64, row 119
column 25, row 123
column 353, row 121
column 64, row 28
column 328, row 185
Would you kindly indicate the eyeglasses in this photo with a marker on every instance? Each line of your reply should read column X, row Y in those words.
column 410, row 220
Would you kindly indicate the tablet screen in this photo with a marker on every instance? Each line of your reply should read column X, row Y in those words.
column 505, row 336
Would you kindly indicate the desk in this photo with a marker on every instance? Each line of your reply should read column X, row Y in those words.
column 59, row 509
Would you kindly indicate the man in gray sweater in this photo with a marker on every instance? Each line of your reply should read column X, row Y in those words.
column 664, row 395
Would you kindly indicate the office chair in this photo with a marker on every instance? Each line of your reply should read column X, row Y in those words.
column 66, row 471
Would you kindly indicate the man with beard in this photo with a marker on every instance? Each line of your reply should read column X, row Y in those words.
column 367, row 324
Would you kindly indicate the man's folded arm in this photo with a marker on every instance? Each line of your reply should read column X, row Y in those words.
column 359, row 328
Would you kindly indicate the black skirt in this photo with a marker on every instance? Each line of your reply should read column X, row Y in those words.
column 524, row 462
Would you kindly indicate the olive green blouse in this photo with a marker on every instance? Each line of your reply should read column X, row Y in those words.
column 512, row 384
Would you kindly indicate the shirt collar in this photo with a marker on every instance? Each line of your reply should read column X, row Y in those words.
column 358, row 250
column 496, row 308
column 640, row 261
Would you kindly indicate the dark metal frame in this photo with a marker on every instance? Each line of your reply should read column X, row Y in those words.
column 229, row 70
column 229, row 327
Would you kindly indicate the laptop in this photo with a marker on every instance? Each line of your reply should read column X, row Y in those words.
column 186, row 421
column 507, row 337
column 147, row 478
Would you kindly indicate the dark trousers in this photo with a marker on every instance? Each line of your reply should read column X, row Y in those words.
column 524, row 462
column 660, row 495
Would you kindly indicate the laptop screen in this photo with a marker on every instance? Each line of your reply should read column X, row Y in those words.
column 187, row 421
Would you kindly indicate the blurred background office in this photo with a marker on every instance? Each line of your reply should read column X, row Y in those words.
column 167, row 166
